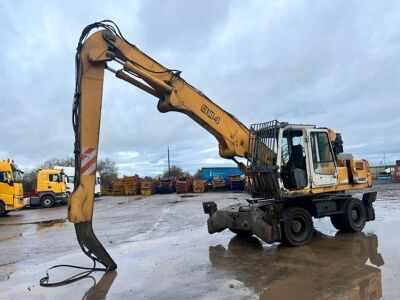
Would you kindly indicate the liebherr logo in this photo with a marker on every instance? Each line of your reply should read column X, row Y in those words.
column 209, row 113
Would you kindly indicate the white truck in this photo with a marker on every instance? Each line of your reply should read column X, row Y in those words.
column 69, row 180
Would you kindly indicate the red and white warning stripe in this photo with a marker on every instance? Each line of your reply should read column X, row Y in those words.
column 88, row 161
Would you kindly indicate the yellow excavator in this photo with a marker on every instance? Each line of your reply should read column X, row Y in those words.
column 294, row 172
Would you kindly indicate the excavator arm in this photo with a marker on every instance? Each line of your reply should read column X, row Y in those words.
column 96, row 53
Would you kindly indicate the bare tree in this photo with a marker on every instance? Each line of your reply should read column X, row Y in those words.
column 67, row 161
column 175, row 171
column 197, row 174
column 108, row 171
column 29, row 181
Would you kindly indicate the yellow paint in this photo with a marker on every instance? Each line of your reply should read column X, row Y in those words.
column 198, row 186
column 11, row 190
column 45, row 181
column 343, row 176
column 332, row 135
column 146, row 191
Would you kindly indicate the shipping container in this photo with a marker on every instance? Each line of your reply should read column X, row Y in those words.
column 207, row 174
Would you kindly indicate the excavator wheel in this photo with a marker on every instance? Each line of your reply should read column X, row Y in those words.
column 296, row 226
column 337, row 222
column 353, row 218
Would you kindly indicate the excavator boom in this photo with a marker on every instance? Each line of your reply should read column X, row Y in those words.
column 95, row 53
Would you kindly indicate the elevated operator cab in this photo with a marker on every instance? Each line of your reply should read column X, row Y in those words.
column 308, row 160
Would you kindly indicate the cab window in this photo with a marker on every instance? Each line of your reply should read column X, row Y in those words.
column 292, row 141
column 3, row 176
column 293, row 167
column 323, row 161
column 54, row 178
column 17, row 174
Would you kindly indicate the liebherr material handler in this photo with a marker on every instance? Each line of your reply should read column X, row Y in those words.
column 294, row 172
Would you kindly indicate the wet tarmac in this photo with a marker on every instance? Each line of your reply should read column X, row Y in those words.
column 163, row 251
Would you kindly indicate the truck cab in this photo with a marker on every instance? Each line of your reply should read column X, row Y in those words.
column 69, row 178
column 50, row 188
column 11, row 191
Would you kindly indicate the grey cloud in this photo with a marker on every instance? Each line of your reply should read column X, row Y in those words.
column 332, row 64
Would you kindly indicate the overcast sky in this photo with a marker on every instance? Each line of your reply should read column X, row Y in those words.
column 333, row 63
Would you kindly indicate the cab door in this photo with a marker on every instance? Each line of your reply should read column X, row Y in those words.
column 6, row 189
column 322, row 163
column 55, row 184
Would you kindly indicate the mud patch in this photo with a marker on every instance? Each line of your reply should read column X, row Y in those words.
column 188, row 196
column 176, row 201
column 136, row 198
column 46, row 223
column 51, row 223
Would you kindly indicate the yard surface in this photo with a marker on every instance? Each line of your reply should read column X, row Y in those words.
column 163, row 251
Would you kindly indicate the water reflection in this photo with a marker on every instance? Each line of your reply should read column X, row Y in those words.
column 101, row 288
column 50, row 223
column 329, row 267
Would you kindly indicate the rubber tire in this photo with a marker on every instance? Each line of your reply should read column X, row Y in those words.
column 337, row 222
column 48, row 204
column 348, row 222
column 288, row 237
column 2, row 209
column 240, row 232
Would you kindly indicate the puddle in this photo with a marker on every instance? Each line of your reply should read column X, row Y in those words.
column 51, row 223
column 188, row 196
column 345, row 265
column 175, row 202
column 136, row 198
column 46, row 223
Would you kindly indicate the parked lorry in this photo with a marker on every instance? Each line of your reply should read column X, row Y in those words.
column 69, row 180
column 11, row 191
column 49, row 190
